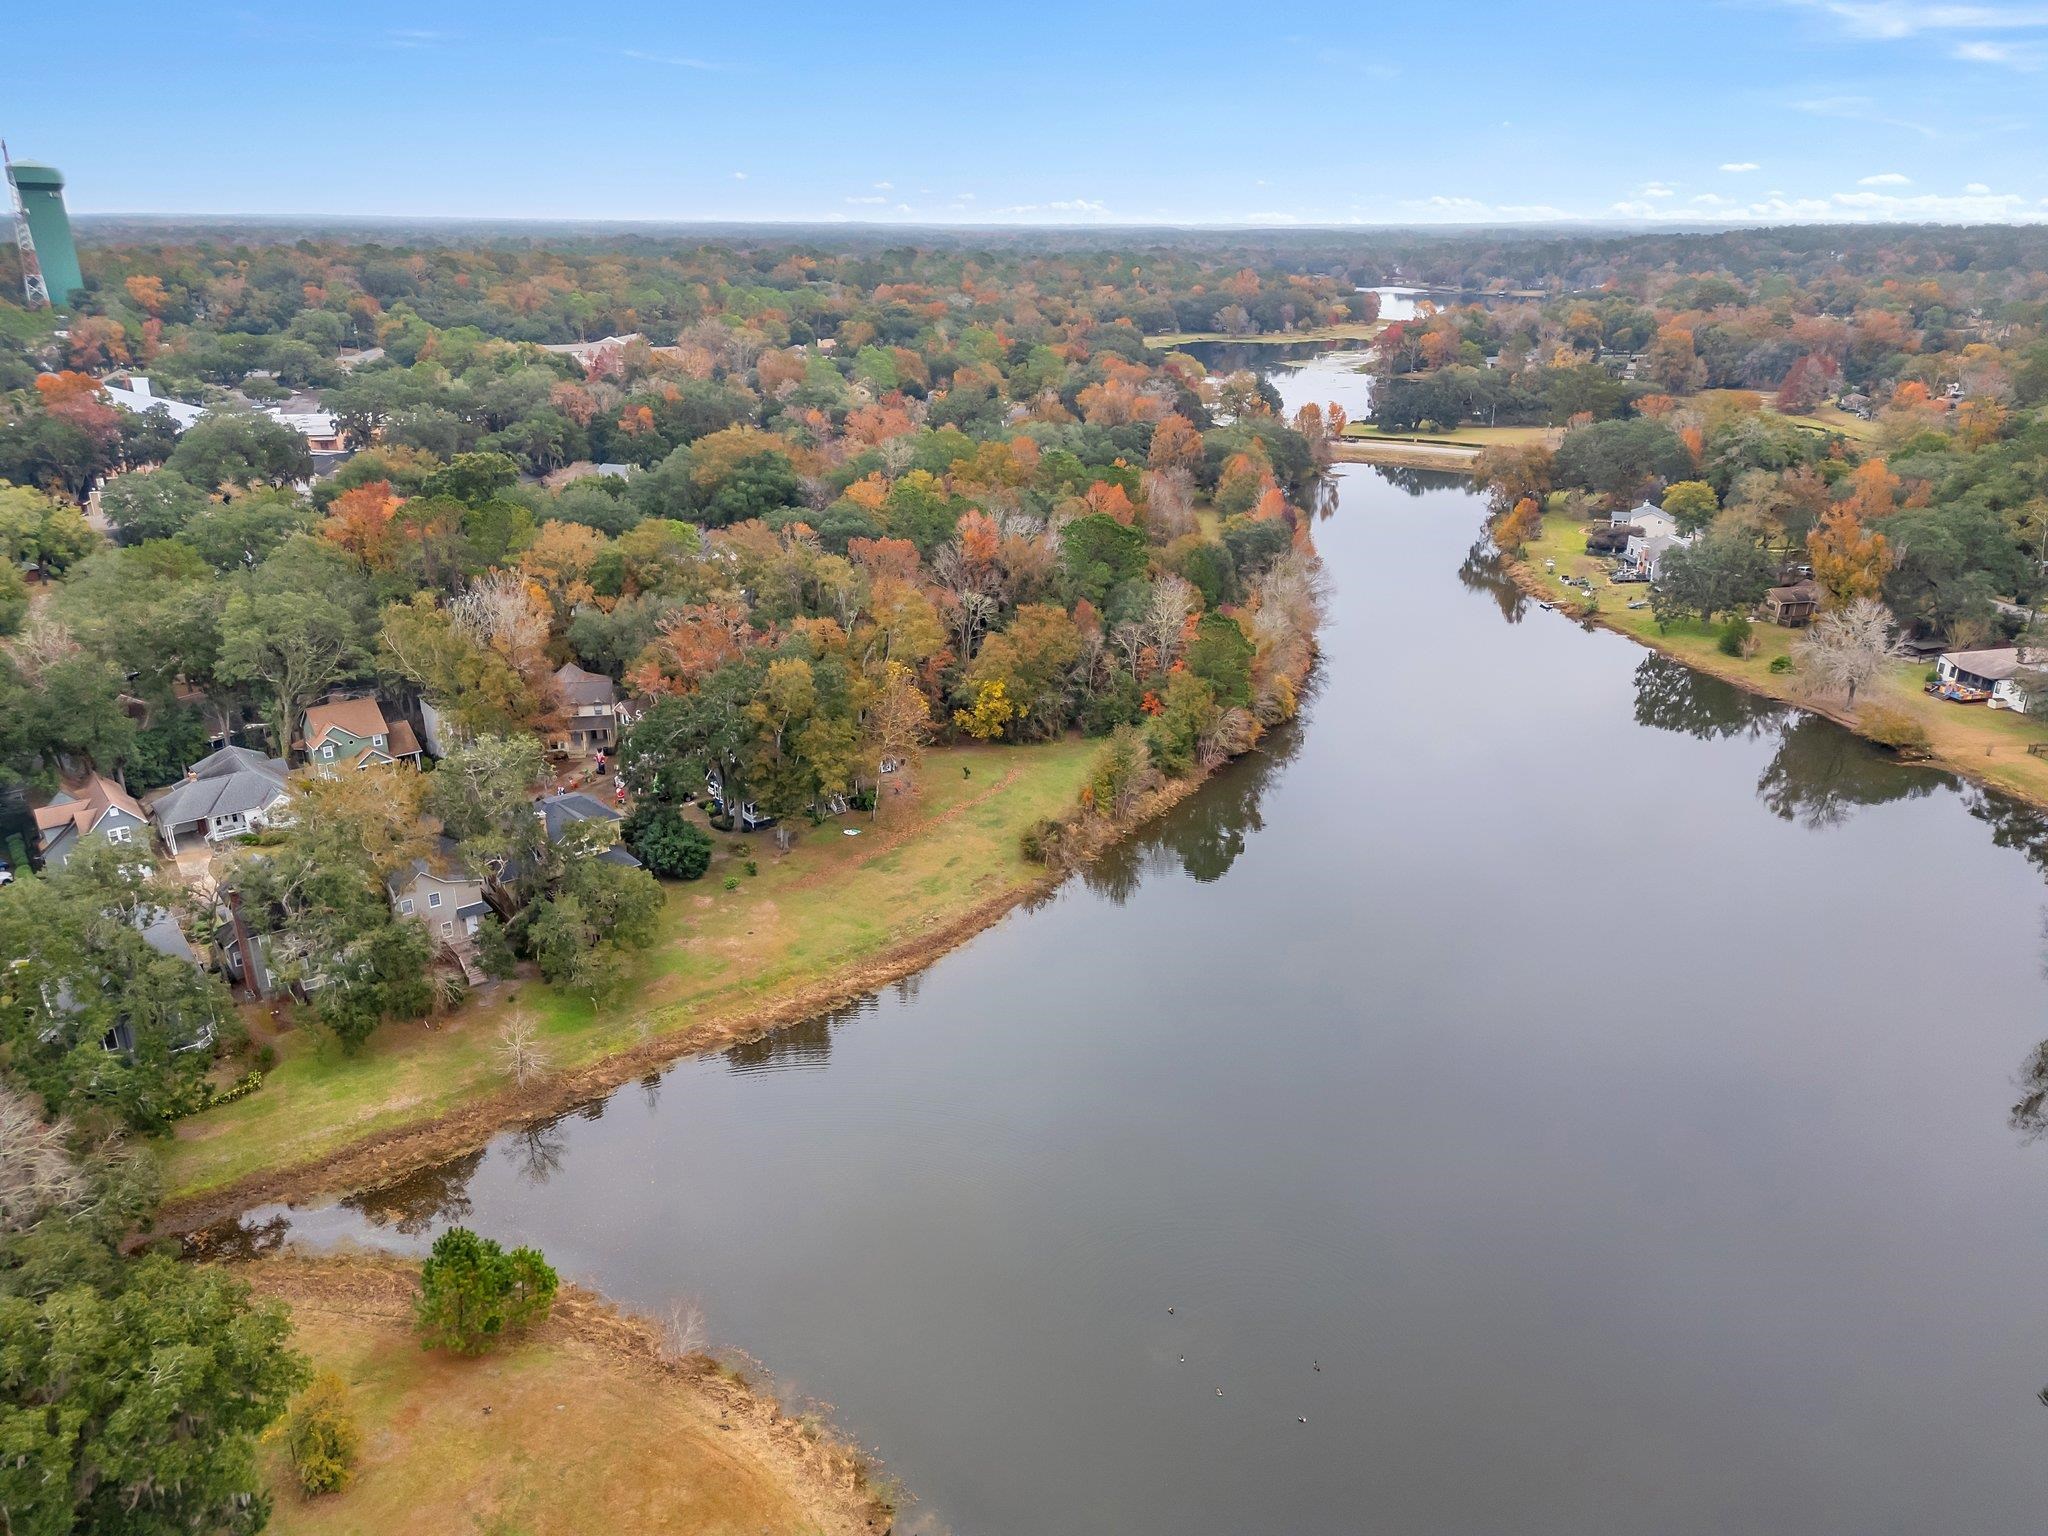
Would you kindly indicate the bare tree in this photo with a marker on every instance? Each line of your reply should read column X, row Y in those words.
column 1845, row 648
column 37, row 1170
column 684, row 1331
column 499, row 611
column 1173, row 599
column 519, row 1047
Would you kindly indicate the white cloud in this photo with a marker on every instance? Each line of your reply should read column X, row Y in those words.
column 1470, row 210
column 1909, row 18
column 1859, row 109
column 1977, row 189
column 885, row 186
column 870, row 201
column 678, row 60
column 1072, row 207
column 1737, row 167
column 1885, row 179
column 1657, row 189
column 2021, row 56
column 739, row 175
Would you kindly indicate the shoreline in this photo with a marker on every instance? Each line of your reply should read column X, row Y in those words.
column 1532, row 584
column 385, row 1157
column 359, row 1305
column 1457, row 457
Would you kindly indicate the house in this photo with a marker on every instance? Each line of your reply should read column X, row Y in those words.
column 98, row 808
column 1967, row 677
column 441, row 893
column 322, row 432
column 1646, row 552
column 1653, row 521
column 589, row 705
column 225, row 794
column 560, row 812
column 1794, row 604
column 353, row 733
column 138, row 398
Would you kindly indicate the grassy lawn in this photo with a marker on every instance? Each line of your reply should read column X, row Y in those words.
column 833, row 903
column 1352, row 332
column 556, row 1432
column 1989, row 744
column 1472, row 437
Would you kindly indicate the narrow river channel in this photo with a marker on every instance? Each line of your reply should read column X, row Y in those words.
column 1600, row 1075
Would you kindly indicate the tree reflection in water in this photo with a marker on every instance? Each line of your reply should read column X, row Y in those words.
column 1670, row 696
column 1484, row 571
column 1204, row 834
column 417, row 1204
column 807, row 1044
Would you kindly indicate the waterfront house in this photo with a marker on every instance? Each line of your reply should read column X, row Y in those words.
column 1970, row 676
column 1646, row 552
column 353, row 733
column 223, row 795
column 440, row 892
column 1792, row 604
column 589, row 708
column 97, row 809
column 1649, row 519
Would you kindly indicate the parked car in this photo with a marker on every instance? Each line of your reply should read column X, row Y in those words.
column 6, row 873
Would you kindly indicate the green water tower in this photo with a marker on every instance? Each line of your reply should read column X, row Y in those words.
column 41, row 188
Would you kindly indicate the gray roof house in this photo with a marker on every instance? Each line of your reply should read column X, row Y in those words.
column 223, row 795
column 589, row 704
column 560, row 812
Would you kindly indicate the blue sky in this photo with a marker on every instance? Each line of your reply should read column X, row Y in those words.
column 1057, row 111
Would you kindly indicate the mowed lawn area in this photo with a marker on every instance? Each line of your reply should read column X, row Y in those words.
column 1471, row 437
column 567, row 1429
column 1989, row 744
column 831, row 905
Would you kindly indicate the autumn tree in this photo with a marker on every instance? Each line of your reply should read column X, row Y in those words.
column 1848, row 562
column 1845, row 648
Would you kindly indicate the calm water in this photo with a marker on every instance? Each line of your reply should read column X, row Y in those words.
column 1601, row 1075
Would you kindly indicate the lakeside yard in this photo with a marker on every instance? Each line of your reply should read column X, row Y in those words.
column 817, row 916
column 1354, row 331
column 1470, row 437
column 581, row 1425
column 1989, row 745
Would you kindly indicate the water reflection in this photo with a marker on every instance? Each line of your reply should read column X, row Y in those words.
column 433, row 1197
column 1485, row 572
column 1670, row 696
column 806, row 1046
column 1204, row 835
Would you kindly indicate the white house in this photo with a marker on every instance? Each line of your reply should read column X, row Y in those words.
column 137, row 396
column 1654, row 521
column 1976, row 672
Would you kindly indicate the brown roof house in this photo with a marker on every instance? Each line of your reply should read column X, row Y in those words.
column 98, row 808
column 588, row 703
column 1795, row 603
column 353, row 733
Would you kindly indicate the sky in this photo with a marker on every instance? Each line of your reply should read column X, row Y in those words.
column 1051, row 112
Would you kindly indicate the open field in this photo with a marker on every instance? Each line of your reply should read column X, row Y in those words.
column 805, row 932
column 1360, row 331
column 1988, row 745
column 583, row 1425
column 1471, row 437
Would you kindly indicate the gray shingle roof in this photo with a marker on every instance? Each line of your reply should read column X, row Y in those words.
column 232, row 780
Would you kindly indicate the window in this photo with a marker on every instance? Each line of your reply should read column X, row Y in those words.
column 433, row 898
column 118, row 834
column 377, row 740
column 327, row 751
column 446, row 926
column 405, row 906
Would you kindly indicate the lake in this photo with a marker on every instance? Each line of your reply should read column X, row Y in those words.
column 1601, row 1075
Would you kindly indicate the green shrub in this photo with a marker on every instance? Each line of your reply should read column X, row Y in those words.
column 1781, row 664
column 753, row 868
column 321, row 1436
column 1734, row 637
column 669, row 845
column 732, row 882
column 472, row 1292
